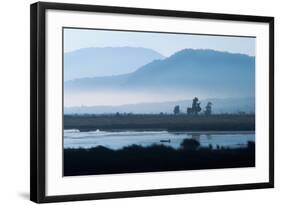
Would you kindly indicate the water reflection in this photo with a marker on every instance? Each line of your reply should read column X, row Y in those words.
column 196, row 136
column 209, row 137
column 118, row 140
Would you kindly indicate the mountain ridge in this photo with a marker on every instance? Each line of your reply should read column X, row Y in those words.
column 98, row 61
column 200, row 70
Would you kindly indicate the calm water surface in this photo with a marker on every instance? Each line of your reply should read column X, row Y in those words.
column 118, row 140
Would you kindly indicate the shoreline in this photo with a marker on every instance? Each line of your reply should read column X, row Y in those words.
column 170, row 123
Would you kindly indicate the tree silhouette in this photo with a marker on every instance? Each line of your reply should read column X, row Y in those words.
column 195, row 106
column 176, row 109
column 208, row 107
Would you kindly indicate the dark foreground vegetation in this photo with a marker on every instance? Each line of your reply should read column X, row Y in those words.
column 222, row 122
column 101, row 160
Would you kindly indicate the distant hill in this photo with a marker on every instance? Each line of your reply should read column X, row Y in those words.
column 198, row 70
column 92, row 62
column 230, row 105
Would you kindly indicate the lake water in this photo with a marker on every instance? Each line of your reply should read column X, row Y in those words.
column 120, row 139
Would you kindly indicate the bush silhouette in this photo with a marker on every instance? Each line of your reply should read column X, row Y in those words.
column 190, row 144
column 135, row 158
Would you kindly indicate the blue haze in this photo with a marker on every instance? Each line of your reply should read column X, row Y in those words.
column 114, row 68
column 93, row 62
column 205, row 73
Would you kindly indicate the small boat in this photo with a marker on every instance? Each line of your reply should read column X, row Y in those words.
column 167, row 141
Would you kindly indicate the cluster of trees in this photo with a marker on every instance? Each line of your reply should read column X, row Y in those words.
column 195, row 109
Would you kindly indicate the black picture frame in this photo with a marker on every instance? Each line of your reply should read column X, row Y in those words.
column 38, row 101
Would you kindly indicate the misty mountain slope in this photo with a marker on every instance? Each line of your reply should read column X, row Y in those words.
column 199, row 68
column 205, row 71
column 92, row 62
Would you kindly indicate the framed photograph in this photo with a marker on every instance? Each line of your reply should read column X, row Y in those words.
column 129, row 102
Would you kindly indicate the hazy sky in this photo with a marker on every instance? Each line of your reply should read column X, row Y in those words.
column 164, row 43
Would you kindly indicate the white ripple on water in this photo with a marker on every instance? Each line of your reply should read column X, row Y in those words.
column 119, row 139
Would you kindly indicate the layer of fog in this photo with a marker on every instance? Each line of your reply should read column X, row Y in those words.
column 111, row 98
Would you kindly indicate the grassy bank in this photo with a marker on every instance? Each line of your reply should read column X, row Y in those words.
column 245, row 122
column 101, row 160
